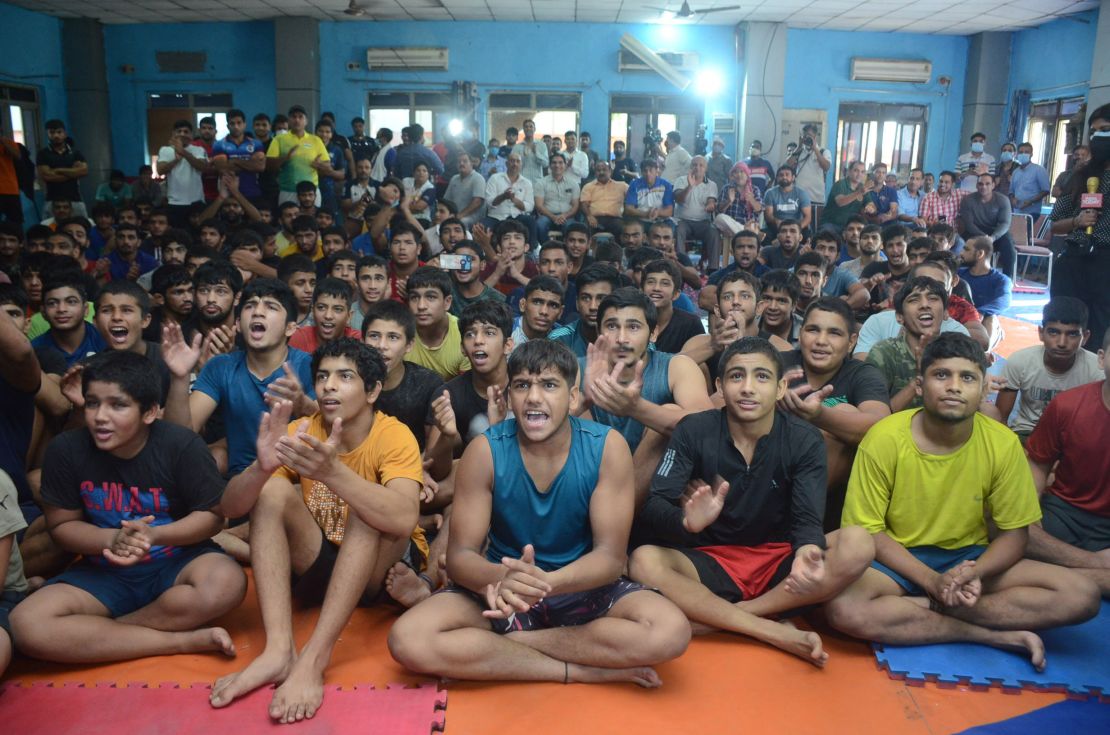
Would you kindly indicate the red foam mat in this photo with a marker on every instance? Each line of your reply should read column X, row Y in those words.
column 169, row 710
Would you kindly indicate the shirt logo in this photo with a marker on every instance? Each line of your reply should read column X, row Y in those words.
column 667, row 464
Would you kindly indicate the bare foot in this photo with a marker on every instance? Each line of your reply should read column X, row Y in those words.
column 405, row 586
column 299, row 696
column 34, row 584
column 269, row 668
column 1023, row 641
column 804, row 644
column 644, row 676
column 215, row 639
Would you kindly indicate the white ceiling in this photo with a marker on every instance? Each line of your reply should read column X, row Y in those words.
column 957, row 17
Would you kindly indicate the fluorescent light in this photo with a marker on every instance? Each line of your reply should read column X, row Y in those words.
column 709, row 82
column 455, row 127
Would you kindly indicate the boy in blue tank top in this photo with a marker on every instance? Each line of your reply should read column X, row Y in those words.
column 641, row 393
column 542, row 512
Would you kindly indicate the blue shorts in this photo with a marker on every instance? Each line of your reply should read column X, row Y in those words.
column 126, row 589
column 559, row 611
column 938, row 559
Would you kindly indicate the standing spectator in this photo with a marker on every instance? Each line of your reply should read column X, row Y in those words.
column 206, row 139
column 412, row 151
column 297, row 156
column 343, row 143
column 329, row 180
column 974, row 163
column 533, row 153
column 493, row 163
column 763, row 171
column 811, row 162
column 380, row 168
column 267, row 179
column 11, row 207
column 1006, row 166
column 60, row 165
column 785, row 201
column 578, row 163
column 584, row 141
column 182, row 163
column 363, row 147
column 1080, row 156
column 147, row 188
column 677, row 161
column 718, row 165
column 624, row 168
column 241, row 155
column 116, row 191
column 988, row 213
column 1029, row 183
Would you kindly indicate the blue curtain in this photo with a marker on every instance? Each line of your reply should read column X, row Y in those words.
column 1019, row 113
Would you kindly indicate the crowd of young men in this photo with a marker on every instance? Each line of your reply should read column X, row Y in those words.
column 539, row 452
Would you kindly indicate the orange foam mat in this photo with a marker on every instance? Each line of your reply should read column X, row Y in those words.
column 1018, row 334
column 722, row 683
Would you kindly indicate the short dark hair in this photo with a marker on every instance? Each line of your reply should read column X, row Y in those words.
column 234, row 112
column 544, row 283
column 812, row 257
column 781, row 280
column 80, row 221
column 608, row 251
column 664, row 265
column 367, row 360
column 948, row 345
column 978, row 135
column 55, row 124
column 836, row 306
column 295, row 263
column 740, row 275
column 329, row 286
column 942, row 228
column 371, row 261
column 892, row 232
column 597, row 273
column 261, row 287
column 946, row 258
column 260, row 116
column 871, row 230
column 471, row 246
column 428, row 276
column 982, row 244
column 133, row 373
column 628, row 297
column 742, row 235
column 487, row 311
column 305, row 223
column 169, row 276
column 536, row 354
column 452, row 221
column 829, row 236
column 576, row 227
column 555, row 245
column 12, row 294
column 218, row 271
column 1065, row 310
column 921, row 243
column 391, row 311
column 66, row 279
column 949, row 174
column 125, row 288
column 305, row 186
column 790, row 223
column 243, row 239
column 403, row 227
column 506, row 226
column 751, row 346
column 338, row 255
column 182, row 124
column 919, row 283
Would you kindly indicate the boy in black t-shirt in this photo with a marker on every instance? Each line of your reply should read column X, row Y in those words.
column 731, row 559
column 661, row 281
column 139, row 499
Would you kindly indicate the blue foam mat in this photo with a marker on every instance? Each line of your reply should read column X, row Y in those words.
column 1078, row 661
column 1069, row 716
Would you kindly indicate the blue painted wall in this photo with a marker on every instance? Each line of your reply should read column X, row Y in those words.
column 240, row 61
column 818, row 71
column 525, row 56
column 32, row 56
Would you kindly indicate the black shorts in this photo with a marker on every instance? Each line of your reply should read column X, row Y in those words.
column 558, row 611
column 713, row 576
column 311, row 586
column 1075, row 526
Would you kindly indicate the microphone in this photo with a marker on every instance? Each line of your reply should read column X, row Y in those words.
column 1091, row 200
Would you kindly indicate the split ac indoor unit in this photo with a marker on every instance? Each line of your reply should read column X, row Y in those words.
column 397, row 58
column 891, row 70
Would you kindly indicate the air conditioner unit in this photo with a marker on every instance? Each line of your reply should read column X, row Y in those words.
column 397, row 58
column 681, row 60
column 891, row 70
column 653, row 61
column 723, row 123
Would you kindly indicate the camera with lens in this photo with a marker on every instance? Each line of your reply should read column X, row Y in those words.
column 653, row 136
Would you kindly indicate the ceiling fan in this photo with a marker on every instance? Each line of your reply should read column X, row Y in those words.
column 355, row 10
column 687, row 12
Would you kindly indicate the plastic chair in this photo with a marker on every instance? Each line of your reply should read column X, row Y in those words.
column 1021, row 232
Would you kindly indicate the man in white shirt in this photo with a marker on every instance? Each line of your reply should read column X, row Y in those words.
column 696, row 200
column 677, row 162
column 467, row 191
column 533, row 154
column 975, row 162
column 811, row 162
column 578, row 163
column 557, row 196
column 182, row 163
column 510, row 196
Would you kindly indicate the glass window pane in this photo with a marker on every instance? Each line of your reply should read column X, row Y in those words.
column 16, row 116
column 666, row 122
column 618, row 128
column 393, row 118
column 221, row 121
column 424, row 119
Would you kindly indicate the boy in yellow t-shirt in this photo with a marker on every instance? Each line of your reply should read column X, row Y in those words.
column 438, row 344
column 923, row 483
column 333, row 502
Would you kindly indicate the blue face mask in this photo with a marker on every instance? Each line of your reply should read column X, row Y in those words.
column 1023, row 158
column 976, row 147
column 1006, row 156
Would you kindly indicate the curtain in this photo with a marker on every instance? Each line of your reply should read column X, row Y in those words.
column 1019, row 114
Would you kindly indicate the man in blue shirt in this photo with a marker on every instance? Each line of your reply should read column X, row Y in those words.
column 649, row 197
column 127, row 261
column 64, row 302
column 242, row 383
column 990, row 287
column 909, row 200
column 1028, row 183
column 241, row 154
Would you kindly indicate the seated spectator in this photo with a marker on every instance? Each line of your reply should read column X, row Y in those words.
column 960, row 307
column 145, row 187
column 65, row 299
column 136, row 554
column 576, row 236
column 1039, row 373
column 592, row 285
column 785, row 201
column 602, row 200
column 420, row 192
column 745, row 257
column 696, row 200
column 126, row 261
column 467, row 191
column 850, row 235
column 946, row 238
column 810, row 271
column 885, row 277
column 739, row 204
column 172, row 294
column 925, row 484
column 869, row 244
column 883, row 195
column 987, row 214
column 122, row 312
column 1067, row 454
column 649, row 197
column 943, row 205
column 404, row 258
column 540, row 306
column 467, row 286
column 990, row 287
column 331, row 310
column 556, row 198
column 661, row 237
column 909, row 200
column 510, row 196
column 115, row 191
column 553, row 262
column 848, row 197
column 512, row 267
column 783, row 254
column 839, row 283
column 299, row 274
column 779, row 294
column 438, row 345
column 754, row 534
column 661, row 281
column 14, row 588
column 919, row 248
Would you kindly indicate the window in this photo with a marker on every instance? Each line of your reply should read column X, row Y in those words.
column 634, row 118
column 553, row 112
column 396, row 110
column 875, row 133
column 19, row 116
column 1055, row 127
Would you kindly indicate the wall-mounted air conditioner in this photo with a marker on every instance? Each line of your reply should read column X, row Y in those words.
column 397, row 58
column 637, row 51
column 680, row 60
column 891, row 70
